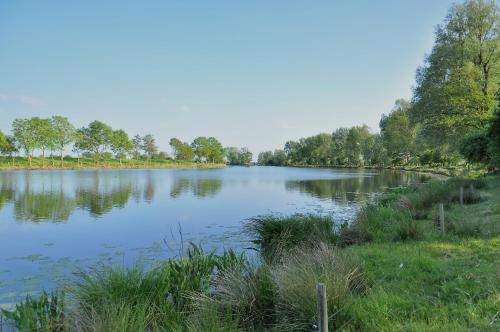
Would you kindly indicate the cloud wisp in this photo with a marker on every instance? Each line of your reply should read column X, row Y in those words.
column 22, row 99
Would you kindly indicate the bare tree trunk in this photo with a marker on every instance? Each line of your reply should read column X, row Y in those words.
column 62, row 158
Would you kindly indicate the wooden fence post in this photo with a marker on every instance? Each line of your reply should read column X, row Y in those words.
column 461, row 195
column 322, row 308
column 441, row 218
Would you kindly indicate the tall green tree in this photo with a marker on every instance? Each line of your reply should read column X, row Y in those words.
column 24, row 132
column 149, row 146
column 339, row 147
column 121, row 144
column 182, row 150
column 398, row 135
column 97, row 138
column 3, row 141
column 63, row 134
column 215, row 150
column 136, row 146
column 79, row 143
column 455, row 88
column 201, row 148
column 237, row 156
column 44, row 135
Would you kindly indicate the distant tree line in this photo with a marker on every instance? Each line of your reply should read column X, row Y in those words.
column 452, row 118
column 99, row 141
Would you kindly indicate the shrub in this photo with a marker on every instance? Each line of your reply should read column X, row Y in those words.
column 276, row 235
column 47, row 313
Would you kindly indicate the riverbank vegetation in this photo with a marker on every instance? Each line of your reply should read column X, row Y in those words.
column 452, row 120
column 8, row 163
column 98, row 145
column 390, row 269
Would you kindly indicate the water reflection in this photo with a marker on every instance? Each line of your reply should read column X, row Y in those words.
column 353, row 189
column 50, row 196
column 55, row 196
column 201, row 188
column 102, row 195
column 44, row 205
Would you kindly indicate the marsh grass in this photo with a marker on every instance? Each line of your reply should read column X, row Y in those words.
column 45, row 313
column 275, row 235
column 156, row 299
column 246, row 295
column 410, row 213
column 297, row 275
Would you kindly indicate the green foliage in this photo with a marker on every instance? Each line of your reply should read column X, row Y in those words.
column 63, row 133
column 45, row 314
column 494, row 141
column 3, row 142
column 208, row 149
column 149, row 146
column 95, row 138
column 121, row 144
column 455, row 90
column 182, row 150
column 276, row 235
column 25, row 133
column 270, row 158
column 398, row 135
column 474, row 148
column 237, row 156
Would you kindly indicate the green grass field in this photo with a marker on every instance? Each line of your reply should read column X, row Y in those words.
column 7, row 163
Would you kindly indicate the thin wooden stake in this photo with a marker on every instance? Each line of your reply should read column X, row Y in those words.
column 461, row 195
column 322, row 308
column 441, row 217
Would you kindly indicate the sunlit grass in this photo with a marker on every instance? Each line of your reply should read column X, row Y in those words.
column 89, row 163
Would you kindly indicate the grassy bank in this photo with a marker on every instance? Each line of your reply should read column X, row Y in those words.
column 390, row 269
column 7, row 163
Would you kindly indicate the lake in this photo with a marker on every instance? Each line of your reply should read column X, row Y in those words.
column 57, row 223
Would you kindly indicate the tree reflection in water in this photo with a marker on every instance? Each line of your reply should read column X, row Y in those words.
column 201, row 187
column 354, row 189
column 47, row 197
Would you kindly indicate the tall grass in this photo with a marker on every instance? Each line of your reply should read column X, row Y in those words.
column 46, row 313
column 281, row 296
column 274, row 235
column 247, row 295
column 156, row 299
column 410, row 213
column 296, row 277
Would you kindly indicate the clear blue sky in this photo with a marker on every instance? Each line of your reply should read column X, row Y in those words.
column 251, row 73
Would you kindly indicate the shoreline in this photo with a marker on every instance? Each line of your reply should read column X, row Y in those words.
column 113, row 166
column 442, row 171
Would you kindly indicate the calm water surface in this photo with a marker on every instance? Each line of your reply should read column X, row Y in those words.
column 56, row 223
